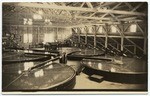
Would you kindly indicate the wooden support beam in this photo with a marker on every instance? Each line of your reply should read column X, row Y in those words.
column 129, row 6
column 95, row 36
column 95, row 18
column 114, row 17
column 89, row 4
column 82, row 4
column 132, row 9
column 106, row 36
column 111, row 36
column 85, row 35
column 135, row 44
column 141, row 30
column 38, row 31
column 79, row 39
column 145, row 46
column 35, row 5
column 134, row 49
column 75, row 29
column 57, row 34
column 123, row 47
column 112, row 9
column 122, row 37
column 122, row 42
column 92, row 14
column 137, row 6
column 125, row 29
column 121, row 32
column 108, row 19
column 105, row 4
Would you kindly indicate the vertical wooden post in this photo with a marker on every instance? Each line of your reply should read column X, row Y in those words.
column 145, row 45
column 122, row 40
column 85, row 35
column 57, row 34
column 121, row 31
column 106, row 37
column 94, row 29
column 135, row 49
column 145, row 40
column 106, row 41
column 38, row 30
column 28, row 37
column 78, row 35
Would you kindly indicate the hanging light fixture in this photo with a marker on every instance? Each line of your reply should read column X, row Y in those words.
column 30, row 21
column 27, row 21
column 48, row 21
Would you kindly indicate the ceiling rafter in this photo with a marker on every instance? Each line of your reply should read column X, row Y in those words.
column 128, row 5
column 63, row 4
column 104, row 4
column 114, row 17
column 89, row 5
column 132, row 8
column 82, row 4
column 112, row 9
column 139, row 5
column 81, row 9
column 71, row 13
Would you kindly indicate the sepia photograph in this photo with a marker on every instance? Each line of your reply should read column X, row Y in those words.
column 56, row 47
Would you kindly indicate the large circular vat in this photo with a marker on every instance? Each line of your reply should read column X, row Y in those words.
column 52, row 76
column 83, row 53
column 117, row 69
column 13, row 57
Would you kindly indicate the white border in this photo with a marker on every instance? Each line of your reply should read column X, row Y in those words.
column 73, row 93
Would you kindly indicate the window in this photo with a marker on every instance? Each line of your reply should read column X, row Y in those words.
column 133, row 28
column 27, row 38
column 49, row 37
column 113, row 29
column 90, row 29
column 100, row 29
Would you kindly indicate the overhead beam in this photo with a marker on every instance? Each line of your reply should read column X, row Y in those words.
column 137, row 7
column 69, row 17
column 35, row 5
column 35, row 26
column 82, row 4
column 133, row 9
column 111, row 36
column 89, row 4
column 104, row 4
column 112, row 9
column 109, row 19
column 129, row 6
column 96, row 18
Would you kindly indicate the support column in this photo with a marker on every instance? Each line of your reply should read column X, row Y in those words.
column 56, row 34
column 85, row 35
column 135, row 49
column 145, row 46
column 145, row 40
column 106, row 38
column 78, row 36
column 106, row 41
column 94, row 37
column 38, row 30
column 122, row 40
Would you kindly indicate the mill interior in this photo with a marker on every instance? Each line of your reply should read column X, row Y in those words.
column 74, row 46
